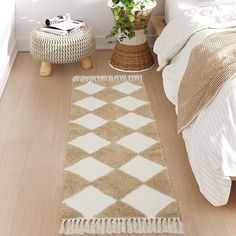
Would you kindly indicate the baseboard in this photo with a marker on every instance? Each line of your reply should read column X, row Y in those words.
column 101, row 43
column 6, row 69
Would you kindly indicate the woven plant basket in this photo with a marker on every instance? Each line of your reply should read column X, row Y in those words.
column 132, row 57
column 133, row 54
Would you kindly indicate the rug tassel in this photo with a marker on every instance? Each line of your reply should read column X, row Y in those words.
column 76, row 226
column 118, row 226
column 62, row 228
column 154, row 226
column 108, row 227
column 149, row 226
column 159, row 226
column 123, row 227
column 144, row 226
column 139, row 226
column 93, row 227
column 129, row 226
column 135, row 226
column 98, row 226
column 107, row 78
column 114, row 226
column 86, row 227
column 82, row 226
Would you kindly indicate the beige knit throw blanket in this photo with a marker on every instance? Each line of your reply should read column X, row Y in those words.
column 212, row 63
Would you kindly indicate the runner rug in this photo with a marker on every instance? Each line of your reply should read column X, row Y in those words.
column 115, row 178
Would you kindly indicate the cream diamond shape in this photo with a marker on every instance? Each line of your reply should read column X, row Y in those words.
column 129, row 103
column 141, row 168
column 133, row 120
column 90, row 142
column 147, row 200
column 90, row 103
column 136, row 142
column 90, row 169
column 89, row 202
column 90, row 88
column 90, row 121
column 127, row 87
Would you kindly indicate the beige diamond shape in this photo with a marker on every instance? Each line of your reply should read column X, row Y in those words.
column 120, row 210
column 161, row 182
column 120, row 155
column 77, row 112
column 77, row 95
column 109, row 95
column 110, row 112
column 140, row 94
column 155, row 154
column 75, row 130
column 150, row 130
column 112, row 131
column 69, row 213
column 145, row 111
column 73, row 155
column 72, row 184
column 169, row 211
column 113, row 185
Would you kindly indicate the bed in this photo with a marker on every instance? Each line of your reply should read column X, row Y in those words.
column 210, row 139
column 174, row 7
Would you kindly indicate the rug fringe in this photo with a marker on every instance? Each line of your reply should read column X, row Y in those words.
column 82, row 226
column 106, row 78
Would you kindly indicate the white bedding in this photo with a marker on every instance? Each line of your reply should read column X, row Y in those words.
column 174, row 7
column 210, row 139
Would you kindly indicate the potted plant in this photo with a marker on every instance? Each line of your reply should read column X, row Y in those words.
column 130, row 15
column 131, row 52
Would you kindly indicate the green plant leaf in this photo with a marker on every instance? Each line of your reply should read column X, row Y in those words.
column 125, row 16
column 131, row 17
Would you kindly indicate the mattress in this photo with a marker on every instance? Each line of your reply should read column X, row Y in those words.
column 175, row 7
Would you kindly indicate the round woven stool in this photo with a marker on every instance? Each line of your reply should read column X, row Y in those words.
column 59, row 49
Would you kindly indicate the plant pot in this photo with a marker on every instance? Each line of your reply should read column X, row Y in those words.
column 133, row 55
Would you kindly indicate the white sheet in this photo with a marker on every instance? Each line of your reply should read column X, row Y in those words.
column 174, row 7
column 210, row 139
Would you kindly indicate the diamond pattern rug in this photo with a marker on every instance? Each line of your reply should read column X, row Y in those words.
column 115, row 178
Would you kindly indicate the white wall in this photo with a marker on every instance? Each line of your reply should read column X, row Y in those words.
column 29, row 13
column 7, row 41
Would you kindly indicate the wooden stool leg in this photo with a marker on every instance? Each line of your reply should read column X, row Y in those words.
column 86, row 63
column 45, row 69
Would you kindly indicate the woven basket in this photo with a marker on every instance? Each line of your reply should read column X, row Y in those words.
column 133, row 54
column 132, row 57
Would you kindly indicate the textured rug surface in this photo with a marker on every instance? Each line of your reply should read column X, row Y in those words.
column 115, row 176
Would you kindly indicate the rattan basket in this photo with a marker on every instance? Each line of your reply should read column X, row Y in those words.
column 134, row 54
column 132, row 57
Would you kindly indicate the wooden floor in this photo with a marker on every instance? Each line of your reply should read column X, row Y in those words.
column 33, row 117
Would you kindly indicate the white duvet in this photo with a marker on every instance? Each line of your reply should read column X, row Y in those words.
column 211, row 139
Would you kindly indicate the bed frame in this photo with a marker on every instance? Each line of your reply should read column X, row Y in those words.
column 159, row 24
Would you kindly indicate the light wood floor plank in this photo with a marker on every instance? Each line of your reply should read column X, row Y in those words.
column 34, row 115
